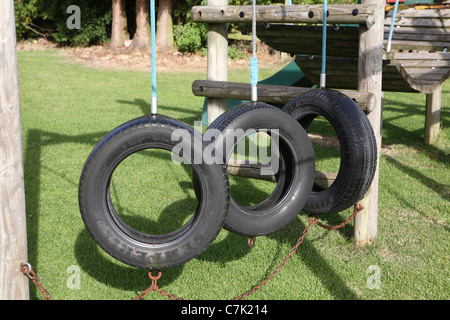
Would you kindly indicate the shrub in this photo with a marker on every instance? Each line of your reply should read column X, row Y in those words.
column 190, row 37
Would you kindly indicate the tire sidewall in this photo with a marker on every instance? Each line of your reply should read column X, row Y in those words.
column 106, row 232
column 243, row 220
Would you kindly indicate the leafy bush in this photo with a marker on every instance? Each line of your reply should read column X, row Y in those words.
column 190, row 37
column 49, row 18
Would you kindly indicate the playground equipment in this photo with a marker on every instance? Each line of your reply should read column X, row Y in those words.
column 104, row 219
column 415, row 60
column 368, row 15
column 152, row 250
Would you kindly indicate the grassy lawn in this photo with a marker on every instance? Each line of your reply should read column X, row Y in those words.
column 68, row 108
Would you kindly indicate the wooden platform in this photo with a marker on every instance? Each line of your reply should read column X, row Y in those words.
column 416, row 62
column 403, row 72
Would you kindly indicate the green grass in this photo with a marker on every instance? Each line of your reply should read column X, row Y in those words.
column 67, row 109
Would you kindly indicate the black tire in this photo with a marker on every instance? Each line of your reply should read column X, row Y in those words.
column 121, row 240
column 295, row 176
column 357, row 148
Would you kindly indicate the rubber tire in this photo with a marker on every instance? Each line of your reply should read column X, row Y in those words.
column 357, row 147
column 295, row 177
column 130, row 246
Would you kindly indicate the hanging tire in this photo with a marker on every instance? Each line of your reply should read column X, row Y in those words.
column 358, row 150
column 295, row 174
column 124, row 236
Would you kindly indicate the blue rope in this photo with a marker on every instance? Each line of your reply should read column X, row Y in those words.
column 254, row 69
column 153, row 53
column 391, row 30
column 324, row 44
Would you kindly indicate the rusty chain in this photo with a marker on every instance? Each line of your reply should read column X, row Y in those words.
column 154, row 287
column 312, row 220
column 27, row 270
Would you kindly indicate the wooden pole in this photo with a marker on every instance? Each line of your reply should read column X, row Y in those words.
column 272, row 94
column 13, row 237
column 433, row 115
column 217, row 61
column 370, row 65
column 344, row 14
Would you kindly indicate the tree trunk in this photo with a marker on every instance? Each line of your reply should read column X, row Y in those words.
column 164, row 30
column 141, row 39
column 119, row 31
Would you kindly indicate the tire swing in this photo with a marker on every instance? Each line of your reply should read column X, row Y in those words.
column 357, row 143
column 132, row 243
column 292, row 159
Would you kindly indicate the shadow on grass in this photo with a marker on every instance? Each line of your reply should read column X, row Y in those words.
column 396, row 134
column 145, row 108
column 117, row 275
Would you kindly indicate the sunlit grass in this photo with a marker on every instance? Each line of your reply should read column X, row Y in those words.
column 67, row 109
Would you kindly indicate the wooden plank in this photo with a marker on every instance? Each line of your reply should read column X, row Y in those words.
column 253, row 171
column 313, row 48
column 338, row 14
column 336, row 63
column 419, row 45
column 423, row 86
column 427, row 71
column 13, row 231
column 421, row 22
column 421, row 37
column 306, row 42
column 417, row 30
column 268, row 93
column 429, row 14
column 307, row 31
column 420, row 56
column 422, row 63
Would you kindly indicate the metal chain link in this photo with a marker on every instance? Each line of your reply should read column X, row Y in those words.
column 27, row 269
column 154, row 287
column 311, row 221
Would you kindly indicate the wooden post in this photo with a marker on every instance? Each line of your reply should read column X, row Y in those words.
column 433, row 114
column 370, row 67
column 217, row 61
column 13, row 237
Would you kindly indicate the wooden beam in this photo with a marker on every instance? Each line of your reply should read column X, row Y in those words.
column 253, row 171
column 271, row 94
column 427, row 14
column 217, row 61
column 13, row 234
column 338, row 14
column 433, row 115
column 370, row 68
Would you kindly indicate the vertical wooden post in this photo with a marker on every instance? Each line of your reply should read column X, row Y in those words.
column 13, row 237
column 217, row 61
column 370, row 67
column 433, row 115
